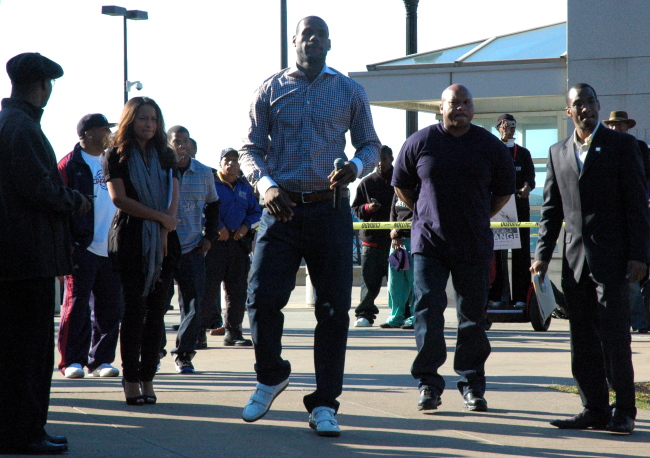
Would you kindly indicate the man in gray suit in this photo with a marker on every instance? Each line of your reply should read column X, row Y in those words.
column 595, row 183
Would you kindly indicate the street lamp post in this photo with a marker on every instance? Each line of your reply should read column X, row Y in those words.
column 135, row 15
column 411, row 48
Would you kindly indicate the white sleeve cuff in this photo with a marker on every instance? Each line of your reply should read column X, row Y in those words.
column 264, row 184
column 359, row 165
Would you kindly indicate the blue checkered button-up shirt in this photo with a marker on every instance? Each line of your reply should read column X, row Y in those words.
column 298, row 130
column 196, row 188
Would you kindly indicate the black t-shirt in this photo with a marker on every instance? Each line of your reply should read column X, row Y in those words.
column 457, row 177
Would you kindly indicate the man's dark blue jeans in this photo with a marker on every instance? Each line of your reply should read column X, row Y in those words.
column 190, row 277
column 471, row 281
column 323, row 237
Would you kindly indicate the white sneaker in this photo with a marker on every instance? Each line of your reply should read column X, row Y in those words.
column 105, row 370
column 74, row 371
column 260, row 401
column 520, row 305
column 362, row 323
column 322, row 420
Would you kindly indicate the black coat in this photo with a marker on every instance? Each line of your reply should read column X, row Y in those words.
column 604, row 206
column 34, row 203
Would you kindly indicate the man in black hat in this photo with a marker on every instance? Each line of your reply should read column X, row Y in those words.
column 35, row 245
column 89, row 329
column 525, row 183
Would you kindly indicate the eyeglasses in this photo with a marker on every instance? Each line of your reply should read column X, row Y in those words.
column 579, row 105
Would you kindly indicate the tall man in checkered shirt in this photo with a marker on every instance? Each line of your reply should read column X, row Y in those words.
column 305, row 112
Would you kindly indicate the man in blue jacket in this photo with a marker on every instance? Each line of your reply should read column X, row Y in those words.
column 89, row 329
column 228, row 259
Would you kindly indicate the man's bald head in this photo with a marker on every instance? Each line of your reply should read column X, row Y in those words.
column 311, row 18
column 457, row 109
column 457, row 90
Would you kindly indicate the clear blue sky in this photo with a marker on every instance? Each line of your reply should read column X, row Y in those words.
column 201, row 60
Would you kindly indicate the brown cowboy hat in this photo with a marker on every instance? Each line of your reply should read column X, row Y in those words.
column 620, row 116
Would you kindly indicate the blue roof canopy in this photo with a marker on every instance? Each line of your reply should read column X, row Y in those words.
column 539, row 43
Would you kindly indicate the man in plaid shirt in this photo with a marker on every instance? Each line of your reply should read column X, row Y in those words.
column 299, row 118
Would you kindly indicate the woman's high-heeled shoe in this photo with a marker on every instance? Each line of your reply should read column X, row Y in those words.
column 132, row 400
column 148, row 399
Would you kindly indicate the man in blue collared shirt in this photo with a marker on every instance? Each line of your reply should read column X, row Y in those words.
column 305, row 111
column 197, row 191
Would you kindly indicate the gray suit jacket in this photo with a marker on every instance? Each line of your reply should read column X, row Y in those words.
column 604, row 206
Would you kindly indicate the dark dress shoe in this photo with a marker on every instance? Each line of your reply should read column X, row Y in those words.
column 584, row 420
column 621, row 424
column 233, row 337
column 429, row 400
column 42, row 447
column 56, row 439
column 474, row 403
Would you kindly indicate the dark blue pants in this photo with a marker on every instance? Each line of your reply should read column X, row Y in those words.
column 211, row 302
column 599, row 320
column 190, row 278
column 374, row 268
column 471, row 281
column 230, row 265
column 90, row 313
column 27, row 343
column 323, row 237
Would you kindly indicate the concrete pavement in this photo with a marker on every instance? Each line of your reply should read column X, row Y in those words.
column 200, row 415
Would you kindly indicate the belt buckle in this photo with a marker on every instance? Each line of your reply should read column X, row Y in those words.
column 302, row 197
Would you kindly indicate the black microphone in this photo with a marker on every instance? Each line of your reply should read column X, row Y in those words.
column 338, row 165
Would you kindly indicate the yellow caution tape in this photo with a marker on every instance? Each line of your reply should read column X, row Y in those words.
column 407, row 225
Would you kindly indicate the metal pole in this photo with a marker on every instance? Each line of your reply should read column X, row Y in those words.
column 126, row 73
column 284, row 52
column 411, row 48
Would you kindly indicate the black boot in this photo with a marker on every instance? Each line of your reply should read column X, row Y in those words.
column 233, row 337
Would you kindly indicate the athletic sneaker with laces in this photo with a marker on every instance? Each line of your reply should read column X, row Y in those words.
column 74, row 370
column 323, row 421
column 184, row 366
column 362, row 323
column 260, row 401
column 105, row 370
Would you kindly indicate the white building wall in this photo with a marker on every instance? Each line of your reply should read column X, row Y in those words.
column 609, row 48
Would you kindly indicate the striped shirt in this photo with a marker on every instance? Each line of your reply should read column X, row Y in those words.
column 196, row 188
column 306, row 124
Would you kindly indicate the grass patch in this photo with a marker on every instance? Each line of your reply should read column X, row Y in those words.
column 642, row 390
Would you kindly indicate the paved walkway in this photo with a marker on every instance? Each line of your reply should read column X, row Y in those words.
column 200, row 415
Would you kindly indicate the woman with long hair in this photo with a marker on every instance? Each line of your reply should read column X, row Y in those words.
column 142, row 181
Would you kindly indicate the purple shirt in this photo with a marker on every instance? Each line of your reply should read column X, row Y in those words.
column 456, row 178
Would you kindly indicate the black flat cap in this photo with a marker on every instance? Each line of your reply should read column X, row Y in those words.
column 30, row 67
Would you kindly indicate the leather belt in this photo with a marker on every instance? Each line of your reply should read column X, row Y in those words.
column 315, row 196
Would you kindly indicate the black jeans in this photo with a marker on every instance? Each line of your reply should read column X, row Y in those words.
column 470, row 280
column 143, row 323
column 323, row 237
column 374, row 267
column 27, row 343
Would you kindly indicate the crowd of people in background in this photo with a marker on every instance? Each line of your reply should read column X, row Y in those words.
column 123, row 216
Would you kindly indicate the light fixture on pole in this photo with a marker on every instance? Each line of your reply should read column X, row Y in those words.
column 135, row 15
